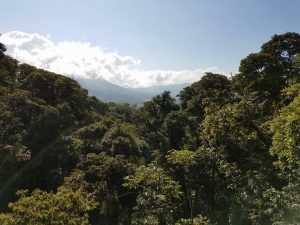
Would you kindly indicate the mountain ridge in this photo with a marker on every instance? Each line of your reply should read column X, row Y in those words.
column 109, row 92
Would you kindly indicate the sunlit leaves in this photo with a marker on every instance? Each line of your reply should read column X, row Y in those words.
column 286, row 139
column 158, row 195
column 64, row 207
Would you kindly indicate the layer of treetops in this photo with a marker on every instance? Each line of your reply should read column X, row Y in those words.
column 226, row 153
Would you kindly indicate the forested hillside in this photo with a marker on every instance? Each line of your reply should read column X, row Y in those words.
column 227, row 153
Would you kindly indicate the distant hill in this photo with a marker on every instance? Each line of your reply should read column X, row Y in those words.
column 109, row 92
column 154, row 90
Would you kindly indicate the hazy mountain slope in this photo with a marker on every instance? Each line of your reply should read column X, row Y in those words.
column 154, row 90
column 109, row 92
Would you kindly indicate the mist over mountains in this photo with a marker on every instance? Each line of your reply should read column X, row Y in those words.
column 110, row 92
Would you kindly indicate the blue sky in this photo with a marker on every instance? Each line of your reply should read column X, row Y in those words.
column 163, row 34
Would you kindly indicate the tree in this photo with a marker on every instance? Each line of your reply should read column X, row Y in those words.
column 286, row 139
column 123, row 139
column 176, row 125
column 236, row 144
column 2, row 49
column 260, row 75
column 265, row 73
column 184, row 160
column 103, row 176
column 150, row 118
column 91, row 135
column 227, row 154
column 288, row 94
column 124, row 111
column 8, row 71
column 63, row 207
column 236, row 129
column 151, row 115
column 158, row 195
column 211, row 90
column 284, row 48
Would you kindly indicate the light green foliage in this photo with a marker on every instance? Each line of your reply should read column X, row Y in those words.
column 298, row 58
column 64, row 207
column 290, row 92
column 286, row 138
column 236, row 148
column 236, row 129
column 199, row 220
column 183, row 158
column 268, row 205
column 158, row 195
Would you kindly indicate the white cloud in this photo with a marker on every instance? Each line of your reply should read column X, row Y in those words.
column 82, row 60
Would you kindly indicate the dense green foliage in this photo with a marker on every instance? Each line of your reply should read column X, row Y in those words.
column 227, row 153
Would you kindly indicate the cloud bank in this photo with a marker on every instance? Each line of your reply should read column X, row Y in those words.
column 82, row 60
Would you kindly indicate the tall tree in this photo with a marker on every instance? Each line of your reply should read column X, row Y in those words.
column 284, row 48
column 184, row 160
column 260, row 75
column 211, row 90
column 158, row 196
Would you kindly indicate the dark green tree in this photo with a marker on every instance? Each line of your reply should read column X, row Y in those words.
column 284, row 48
column 265, row 73
column 2, row 49
column 213, row 90
column 103, row 176
column 150, row 118
column 184, row 160
column 158, row 195
column 260, row 76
